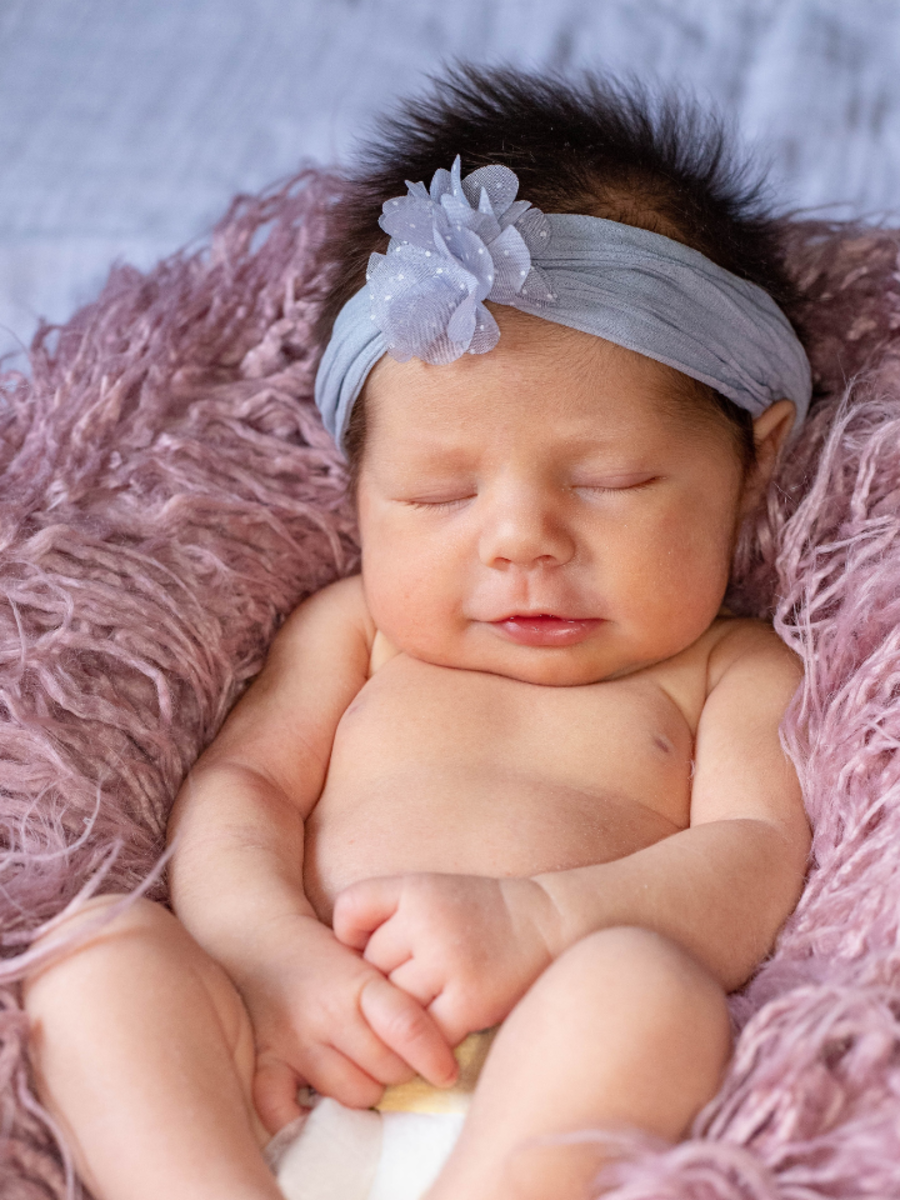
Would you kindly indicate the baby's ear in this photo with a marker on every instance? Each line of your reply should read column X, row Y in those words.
column 770, row 432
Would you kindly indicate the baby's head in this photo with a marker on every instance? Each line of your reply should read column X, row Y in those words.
column 554, row 424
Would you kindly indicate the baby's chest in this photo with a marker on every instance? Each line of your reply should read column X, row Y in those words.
column 625, row 739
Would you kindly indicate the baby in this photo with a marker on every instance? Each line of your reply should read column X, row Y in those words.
column 521, row 774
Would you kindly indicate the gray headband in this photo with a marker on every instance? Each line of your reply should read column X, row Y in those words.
column 468, row 240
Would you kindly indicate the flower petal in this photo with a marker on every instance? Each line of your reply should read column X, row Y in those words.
column 515, row 212
column 537, row 288
column 461, row 325
column 456, row 178
column 500, row 183
column 452, row 246
column 512, row 262
column 487, row 332
column 535, row 229
column 410, row 220
column 441, row 184
column 460, row 215
column 470, row 251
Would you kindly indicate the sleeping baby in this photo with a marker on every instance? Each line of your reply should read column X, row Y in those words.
column 474, row 862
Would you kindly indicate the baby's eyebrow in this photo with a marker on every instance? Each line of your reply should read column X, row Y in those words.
column 438, row 456
column 412, row 475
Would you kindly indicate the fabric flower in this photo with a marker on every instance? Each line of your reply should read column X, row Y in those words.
column 453, row 246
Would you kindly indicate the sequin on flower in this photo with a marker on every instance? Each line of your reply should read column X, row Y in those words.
column 453, row 246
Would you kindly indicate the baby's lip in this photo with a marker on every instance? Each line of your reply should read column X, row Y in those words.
column 539, row 614
column 546, row 629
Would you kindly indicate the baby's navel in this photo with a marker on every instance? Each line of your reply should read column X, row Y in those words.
column 662, row 743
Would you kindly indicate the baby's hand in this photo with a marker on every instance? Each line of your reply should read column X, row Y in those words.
column 467, row 947
column 324, row 1017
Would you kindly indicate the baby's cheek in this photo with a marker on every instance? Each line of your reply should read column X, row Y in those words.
column 411, row 609
column 694, row 548
column 678, row 596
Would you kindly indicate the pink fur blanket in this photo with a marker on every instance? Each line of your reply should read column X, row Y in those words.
column 167, row 495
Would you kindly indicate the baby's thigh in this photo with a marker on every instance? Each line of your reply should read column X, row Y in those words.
column 641, row 976
column 128, row 971
column 619, row 1021
column 623, row 1028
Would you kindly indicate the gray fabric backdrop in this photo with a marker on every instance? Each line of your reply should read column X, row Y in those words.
column 126, row 125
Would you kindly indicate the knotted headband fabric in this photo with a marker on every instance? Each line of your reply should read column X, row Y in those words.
column 638, row 289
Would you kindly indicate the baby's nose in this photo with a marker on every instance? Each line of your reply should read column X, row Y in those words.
column 523, row 531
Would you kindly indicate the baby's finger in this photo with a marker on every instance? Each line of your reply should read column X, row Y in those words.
column 388, row 947
column 362, row 907
column 357, row 1041
column 455, row 1018
column 334, row 1074
column 416, row 980
column 275, row 1087
column 403, row 1025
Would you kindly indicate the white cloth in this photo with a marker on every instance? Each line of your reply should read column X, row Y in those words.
column 343, row 1153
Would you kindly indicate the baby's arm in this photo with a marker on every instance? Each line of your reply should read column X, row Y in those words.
column 321, row 1014
column 723, row 887
column 470, row 947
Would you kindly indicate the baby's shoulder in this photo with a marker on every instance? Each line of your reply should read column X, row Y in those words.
column 752, row 648
column 332, row 623
column 346, row 602
column 342, row 602
column 735, row 655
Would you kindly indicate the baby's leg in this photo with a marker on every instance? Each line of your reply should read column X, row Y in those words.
column 143, row 1052
column 624, row 1028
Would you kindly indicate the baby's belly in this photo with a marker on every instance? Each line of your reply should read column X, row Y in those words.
column 441, row 770
column 498, row 826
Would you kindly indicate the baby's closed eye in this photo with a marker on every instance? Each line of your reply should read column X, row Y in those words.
column 625, row 482
column 441, row 502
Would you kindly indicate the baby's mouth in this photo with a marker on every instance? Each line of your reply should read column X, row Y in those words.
column 545, row 629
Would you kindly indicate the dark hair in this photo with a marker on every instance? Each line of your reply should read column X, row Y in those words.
column 595, row 146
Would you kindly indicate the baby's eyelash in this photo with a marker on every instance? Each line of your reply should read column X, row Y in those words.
column 611, row 489
column 437, row 504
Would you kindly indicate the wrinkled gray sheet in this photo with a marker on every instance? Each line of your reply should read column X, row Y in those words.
column 127, row 125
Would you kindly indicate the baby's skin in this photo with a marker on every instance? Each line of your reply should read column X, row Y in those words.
column 522, row 770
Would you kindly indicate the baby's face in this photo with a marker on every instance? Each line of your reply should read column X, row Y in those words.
column 542, row 511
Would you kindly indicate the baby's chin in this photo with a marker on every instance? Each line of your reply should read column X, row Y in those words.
column 564, row 667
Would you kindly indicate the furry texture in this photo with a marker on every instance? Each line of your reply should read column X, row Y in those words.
column 168, row 496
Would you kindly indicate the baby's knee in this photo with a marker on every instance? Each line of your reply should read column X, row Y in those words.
column 101, row 946
column 648, row 976
column 104, row 919
column 76, row 962
column 119, row 956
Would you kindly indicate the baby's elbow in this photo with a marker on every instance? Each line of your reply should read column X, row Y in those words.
column 763, row 896
column 794, row 842
column 781, row 886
